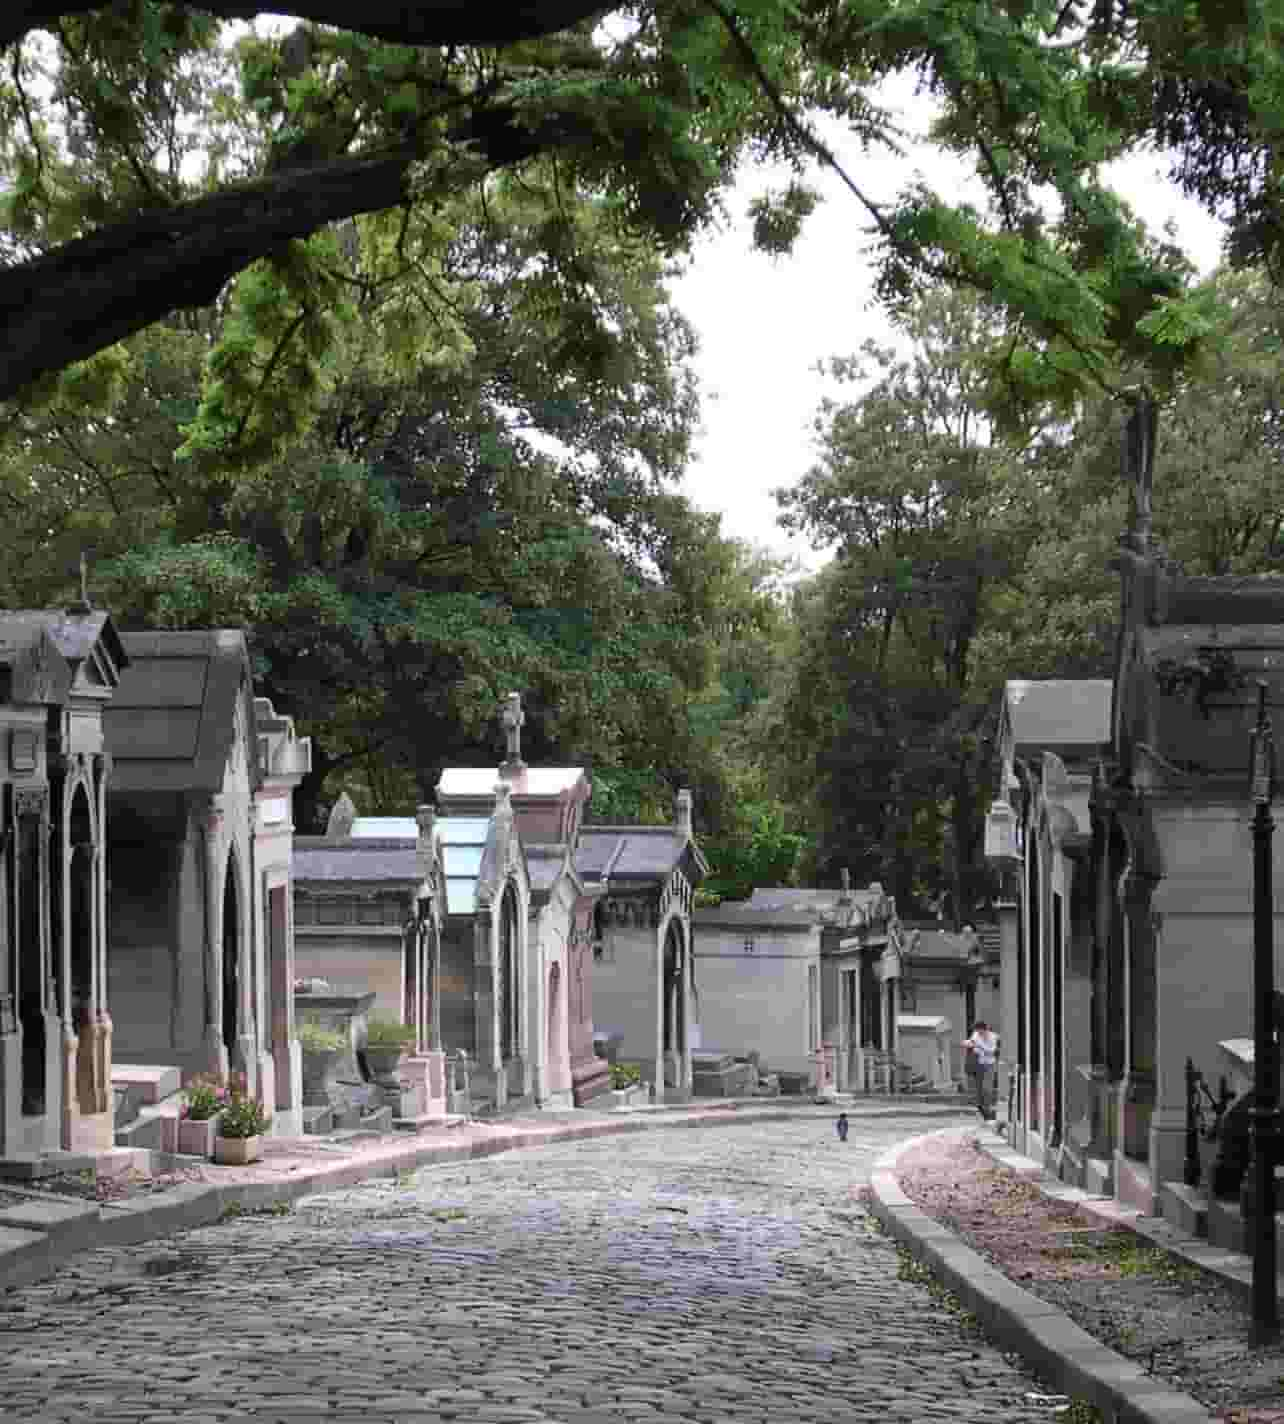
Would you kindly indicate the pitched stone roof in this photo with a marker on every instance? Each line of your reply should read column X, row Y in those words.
column 742, row 914
column 366, row 861
column 1059, row 712
column 171, row 725
column 43, row 651
column 637, row 854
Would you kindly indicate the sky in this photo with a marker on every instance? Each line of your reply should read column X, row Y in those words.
column 764, row 323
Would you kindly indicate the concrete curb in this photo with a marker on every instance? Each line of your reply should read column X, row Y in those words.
column 28, row 1256
column 1070, row 1359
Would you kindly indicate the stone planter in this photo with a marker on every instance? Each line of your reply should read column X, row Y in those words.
column 237, row 1151
column 383, row 1063
column 318, row 1069
column 196, row 1138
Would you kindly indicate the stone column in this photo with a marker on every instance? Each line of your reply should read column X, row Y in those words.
column 660, row 991
column 1007, row 912
column 60, row 1024
column 1137, row 1098
column 833, row 1028
column 537, row 1013
column 686, row 995
column 10, row 1038
column 215, row 867
column 102, row 1009
column 485, row 1001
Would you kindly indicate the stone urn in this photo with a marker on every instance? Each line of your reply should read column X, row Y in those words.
column 383, row 1060
column 319, row 1065
column 237, row 1151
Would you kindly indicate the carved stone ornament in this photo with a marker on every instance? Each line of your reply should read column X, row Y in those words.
column 24, row 751
column 31, row 801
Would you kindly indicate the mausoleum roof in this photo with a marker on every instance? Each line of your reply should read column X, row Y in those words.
column 385, row 828
column 631, row 853
column 740, row 914
column 470, row 782
column 83, row 641
column 462, row 845
column 1059, row 712
column 171, row 724
column 371, row 860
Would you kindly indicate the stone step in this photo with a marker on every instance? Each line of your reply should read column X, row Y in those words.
column 417, row 1124
column 317, row 1121
column 1185, row 1207
column 150, row 1082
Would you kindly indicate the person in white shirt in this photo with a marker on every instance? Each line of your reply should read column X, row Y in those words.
column 983, row 1048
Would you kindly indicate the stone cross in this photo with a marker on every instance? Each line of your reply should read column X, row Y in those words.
column 513, row 719
column 682, row 813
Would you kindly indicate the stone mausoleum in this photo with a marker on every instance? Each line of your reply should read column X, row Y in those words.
column 200, row 964
column 58, row 671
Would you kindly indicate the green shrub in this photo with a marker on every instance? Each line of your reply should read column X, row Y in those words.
column 388, row 1033
column 243, row 1117
column 316, row 1037
column 203, row 1098
column 624, row 1075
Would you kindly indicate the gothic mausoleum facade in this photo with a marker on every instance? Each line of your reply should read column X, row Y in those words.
column 644, row 992
column 200, row 964
column 58, row 671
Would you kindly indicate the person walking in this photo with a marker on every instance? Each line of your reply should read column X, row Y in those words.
column 983, row 1047
column 841, row 1126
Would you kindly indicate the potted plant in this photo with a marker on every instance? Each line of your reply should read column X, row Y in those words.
column 321, row 1047
column 386, row 1042
column 241, row 1126
column 203, row 1099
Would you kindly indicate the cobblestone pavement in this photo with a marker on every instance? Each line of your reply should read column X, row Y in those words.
column 710, row 1275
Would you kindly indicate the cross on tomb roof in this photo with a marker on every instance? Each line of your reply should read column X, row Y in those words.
column 513, row 718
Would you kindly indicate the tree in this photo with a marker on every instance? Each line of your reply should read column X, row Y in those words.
column 403, row 107
column 964, row 560
column 447, row 526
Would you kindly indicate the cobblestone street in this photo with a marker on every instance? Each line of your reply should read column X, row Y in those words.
column 700, row 1275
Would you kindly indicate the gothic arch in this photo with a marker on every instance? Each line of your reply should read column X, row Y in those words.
column 233, row 891
column 508, row 968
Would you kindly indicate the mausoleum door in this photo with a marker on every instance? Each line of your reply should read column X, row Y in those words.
column 552, row 1053
column 81, row 938
column 231, row 962
column 674, row 998
column 32, row 976
column 508, row 992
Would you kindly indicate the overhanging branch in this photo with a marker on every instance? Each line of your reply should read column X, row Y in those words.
column 425, row 22
column 87, row 294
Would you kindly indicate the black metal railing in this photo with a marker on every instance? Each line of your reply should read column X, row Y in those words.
column 1204, row 1115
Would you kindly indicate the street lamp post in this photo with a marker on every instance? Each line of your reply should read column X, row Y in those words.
column 1266, row 1321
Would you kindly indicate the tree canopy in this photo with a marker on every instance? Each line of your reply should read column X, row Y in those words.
column 146, row 167
column 966, row 555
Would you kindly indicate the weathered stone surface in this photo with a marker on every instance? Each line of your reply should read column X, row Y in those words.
column 669, row 1276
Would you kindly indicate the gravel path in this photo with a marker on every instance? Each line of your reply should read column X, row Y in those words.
column 707, row 1276
column 1180, row 1323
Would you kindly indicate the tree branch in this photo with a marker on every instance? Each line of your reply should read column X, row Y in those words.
column 415, row 22
column 87, row 294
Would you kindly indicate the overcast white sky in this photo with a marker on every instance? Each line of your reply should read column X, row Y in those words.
column 764, row 323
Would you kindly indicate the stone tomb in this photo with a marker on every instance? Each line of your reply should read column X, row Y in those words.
column 58, row 670
column 201, row 958
column 719, row 1075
